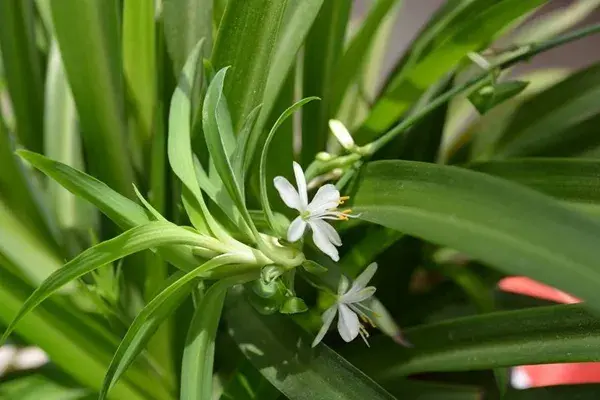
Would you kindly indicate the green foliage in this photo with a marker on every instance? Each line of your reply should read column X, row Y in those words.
column 143, row 246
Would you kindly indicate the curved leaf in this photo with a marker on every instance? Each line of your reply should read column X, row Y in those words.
column 471, row 28
column 510, row 227
column 246, row 41
column 559, row 121
column 152, row 234
column 217, row 127
column 569, row 179
column 301, row 17
column 198, row 355
column 264, row 197
column 186, row 22
column 354, row 57
column 151, row 316
column 22, row 68
column 565, row 333
column 282, row 353
column 115, row 206
column 88, row 35
column 118, row 208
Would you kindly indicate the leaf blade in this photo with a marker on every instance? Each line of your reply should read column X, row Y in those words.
column 510, row 227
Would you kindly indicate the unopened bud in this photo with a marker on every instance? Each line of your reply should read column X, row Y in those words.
column 341, row 134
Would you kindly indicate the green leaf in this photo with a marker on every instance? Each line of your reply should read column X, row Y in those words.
column 150, row 235
column 179, row 139
column 38, row 386
column 264, row 197
column 139, row 63
column 217, row 127
column 148, row 320
column 122, row 211
column 34, row 257
column 559, row 121
column 375, row 241
column 180, row 148
column 246, row 41
column 322, row 50
column 427, row 390
column 198, row 355
column 88, row 34
column 118, row 208
column 488, row 97
column 23, row 70
column 468, row 30
column 65, row 334
column 242, row 151
column 555, row 22
column 62, row 142
column 356, row 53
column 187, row 22
column 282, row 353
column 248, row 384
column 576, row 180
column 541, row 335
column 299, row 17
column 16, row 188
column 293, row 305
column 512, row 228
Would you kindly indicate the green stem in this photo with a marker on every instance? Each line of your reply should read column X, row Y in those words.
column 524, row 53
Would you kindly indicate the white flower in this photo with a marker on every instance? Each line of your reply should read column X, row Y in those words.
column 322, row 207
column 349, row 306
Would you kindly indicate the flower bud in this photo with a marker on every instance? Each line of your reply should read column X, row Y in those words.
column 341, row 134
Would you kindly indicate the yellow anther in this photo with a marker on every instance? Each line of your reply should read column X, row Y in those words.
column 343, row 199
column 344, row 214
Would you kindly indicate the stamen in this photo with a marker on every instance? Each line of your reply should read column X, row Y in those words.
column 343, row 216
column 363, row 334
column 343, row 199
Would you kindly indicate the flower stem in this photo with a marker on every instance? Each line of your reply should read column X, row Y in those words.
column 522, row 53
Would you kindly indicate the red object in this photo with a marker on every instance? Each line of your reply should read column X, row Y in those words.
column 548, row 374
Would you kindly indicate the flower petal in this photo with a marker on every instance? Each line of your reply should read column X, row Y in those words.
column 364, row 278
column 329, row 230
column 288, row 194
column 322, row 241
column 301, row 182
column 296, row 229
column 348, row 324
column 343, row 285
column 326, row 198
column 358, row 295
column 327, row 319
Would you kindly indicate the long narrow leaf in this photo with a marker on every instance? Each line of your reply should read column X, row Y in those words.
column 139, row 63
column 473, row 27
column 510, row 227
column 246, row 41
column 217, row 127
column 322, row 51
column 198, row 355
column 23, row 69
column 263, row 161
column 291, row 38
column 282, row 353
column 63, row 143
column 503, row 339
column 353, row 58
column 186, row 22
column 119, row 209
column 140, row 238
column 88, row 34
